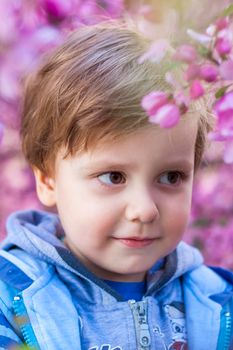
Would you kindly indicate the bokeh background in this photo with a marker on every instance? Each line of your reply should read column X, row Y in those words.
column 29, row 28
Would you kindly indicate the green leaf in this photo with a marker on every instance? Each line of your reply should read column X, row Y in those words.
column 228, row 11
column 221, row 91
column 203, row 51
column 169, row 64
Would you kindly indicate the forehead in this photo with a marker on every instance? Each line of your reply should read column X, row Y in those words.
column 156, row 145
column 173, row 139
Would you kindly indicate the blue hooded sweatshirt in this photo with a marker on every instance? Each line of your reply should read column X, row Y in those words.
column 50, row 301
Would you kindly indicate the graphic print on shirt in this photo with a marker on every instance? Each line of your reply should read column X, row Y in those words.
column 105, row 347
column 176, row 314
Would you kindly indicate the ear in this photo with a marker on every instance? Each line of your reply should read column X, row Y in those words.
column 45, row 187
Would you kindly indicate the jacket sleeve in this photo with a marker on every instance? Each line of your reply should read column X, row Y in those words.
column 8, row 338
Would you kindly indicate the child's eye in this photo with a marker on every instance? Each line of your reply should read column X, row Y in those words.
column 112, row 178
column 171, row 178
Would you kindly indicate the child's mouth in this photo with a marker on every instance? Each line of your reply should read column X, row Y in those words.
column 136, row 243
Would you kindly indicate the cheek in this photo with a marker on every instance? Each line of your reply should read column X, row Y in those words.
column 178, row 223
column 91, row 220
column 179, row 219
column 176, row 213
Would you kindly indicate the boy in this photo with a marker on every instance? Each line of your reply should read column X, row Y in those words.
column 108, row 272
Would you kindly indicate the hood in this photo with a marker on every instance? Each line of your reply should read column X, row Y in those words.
column 40, row 233
column 36, row 232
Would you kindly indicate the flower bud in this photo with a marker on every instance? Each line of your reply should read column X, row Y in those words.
column 58, row 8
column 196, row 90
column 222, row 23
column 223, row 46
column 186, row 53
column 192, row 72
column 209, row 72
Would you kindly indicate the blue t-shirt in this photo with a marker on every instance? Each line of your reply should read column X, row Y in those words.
column 129, row 290
column 133, row 290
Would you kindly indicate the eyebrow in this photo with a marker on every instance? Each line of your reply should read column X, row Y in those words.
column 180, row 163
column 114, row 165
column 108, row 165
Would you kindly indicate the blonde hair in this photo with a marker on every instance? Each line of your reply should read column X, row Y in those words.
column 90, row 88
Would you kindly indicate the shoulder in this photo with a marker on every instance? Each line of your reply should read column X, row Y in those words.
column 223, row 273
column 16, row 274
column 19, row 261
column 209, row 280
column 18, row 271
column 196, row 274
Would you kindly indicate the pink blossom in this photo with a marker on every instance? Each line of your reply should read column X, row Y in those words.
column 156, row 52
column 8, row 22
column 196, row 90
column 153, row 101
column 181, row 100
column 200, row 38
column 113, row 9
column 1, row 132
column 186, row 53
column 166, row 116
column 222, row 23
column 212, row 224
column 211, row 30
column 90, row 11
column 9, row 82
column 145, row 10
column 223, row 46
column 45, row 38
column 228, row 152
column 220, row 135
column 226, row 70
column 209, row 72
column 58, row 8
column 171, row 79
column 192, row 72
column 224, row 111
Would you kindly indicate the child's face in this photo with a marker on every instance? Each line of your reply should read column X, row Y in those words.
column 125, row 204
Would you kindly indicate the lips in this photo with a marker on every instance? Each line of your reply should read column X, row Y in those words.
column 136, row 242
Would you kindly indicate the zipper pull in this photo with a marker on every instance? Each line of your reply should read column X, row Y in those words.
column 144, row 334
column 139, row 310
column 145, row 339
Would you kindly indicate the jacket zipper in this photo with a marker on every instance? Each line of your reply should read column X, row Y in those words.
column 23, row 321
column 225, row 329
column 140, row 314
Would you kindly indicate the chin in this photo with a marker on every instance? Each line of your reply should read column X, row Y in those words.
column 135, row 271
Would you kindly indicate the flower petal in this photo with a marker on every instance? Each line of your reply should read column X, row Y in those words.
column 156, row 52
column 186, row 53
column 166, row 116
column 226, row 70
column 209, row 72
column 153, row 101
column 201, row 38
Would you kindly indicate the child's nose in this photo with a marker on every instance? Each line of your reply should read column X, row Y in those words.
column 141, row 207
